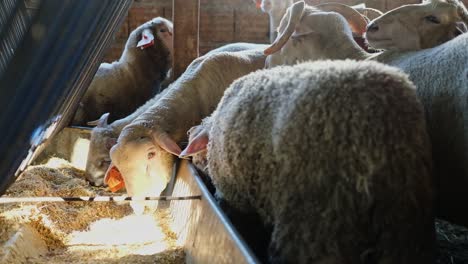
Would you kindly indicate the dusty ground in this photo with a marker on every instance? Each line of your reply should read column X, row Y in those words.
column 81, row 232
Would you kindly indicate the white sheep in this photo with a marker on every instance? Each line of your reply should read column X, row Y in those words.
column 144, row 150
column 105, row 135
column 126, row 84
column 277, row 8
column 308, row 33
column 441, row 77
column 418, row 26
column 333, row 156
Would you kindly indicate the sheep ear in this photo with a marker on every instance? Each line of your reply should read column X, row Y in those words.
column 165, row 142
column 196, row 145
column 147, row 39
column 114, row 178
column 101, row 122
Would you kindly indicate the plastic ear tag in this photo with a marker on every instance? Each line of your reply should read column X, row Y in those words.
column 147, row 39
column 114, row 179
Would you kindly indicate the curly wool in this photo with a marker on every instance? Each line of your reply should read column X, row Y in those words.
column 334, row 155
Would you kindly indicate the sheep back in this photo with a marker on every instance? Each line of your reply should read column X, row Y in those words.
column 441, row 77
column 334, row 155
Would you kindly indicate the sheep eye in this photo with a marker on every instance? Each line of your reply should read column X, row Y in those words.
column 162, row 30
column 151, row 155
column 432, row 19
column 105, row 163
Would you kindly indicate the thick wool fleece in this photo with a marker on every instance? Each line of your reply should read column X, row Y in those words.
column 334, row 155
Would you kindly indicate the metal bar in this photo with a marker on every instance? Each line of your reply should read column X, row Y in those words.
column 4, row 200
column 186, row 17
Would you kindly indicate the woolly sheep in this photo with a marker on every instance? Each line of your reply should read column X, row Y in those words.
column 441, row 77
column 333, row 155
column 124, row 85
column 144, row 150
column 105, row 135
column 418, row 26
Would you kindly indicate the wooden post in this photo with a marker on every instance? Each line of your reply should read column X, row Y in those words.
column 186, row 17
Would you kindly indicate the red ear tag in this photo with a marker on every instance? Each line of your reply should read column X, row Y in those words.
column 147, row 39
column 114, row 179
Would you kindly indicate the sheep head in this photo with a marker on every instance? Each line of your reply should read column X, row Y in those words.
column 159, row 29
column 101, row 141
column 303, row 30
column 418, row 26
column 143, row 159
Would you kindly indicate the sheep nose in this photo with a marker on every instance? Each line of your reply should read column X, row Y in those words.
column 372, row 27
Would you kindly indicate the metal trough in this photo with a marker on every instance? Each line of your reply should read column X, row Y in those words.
column 203, row 229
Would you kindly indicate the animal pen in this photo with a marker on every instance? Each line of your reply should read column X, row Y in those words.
column 49, row 53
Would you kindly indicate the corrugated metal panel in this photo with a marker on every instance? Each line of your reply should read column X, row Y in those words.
column 14, row 22
column 52, row 64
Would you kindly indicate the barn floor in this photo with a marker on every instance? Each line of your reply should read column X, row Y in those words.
column 102, row 232
column 79, row 232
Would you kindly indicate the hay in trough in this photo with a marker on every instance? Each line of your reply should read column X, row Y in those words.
column 83, row 232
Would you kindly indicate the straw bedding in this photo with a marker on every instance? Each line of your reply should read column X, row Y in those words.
column 84, row 232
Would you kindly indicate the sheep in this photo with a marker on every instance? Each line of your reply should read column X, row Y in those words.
column 311, row 34
column 418, row 26
column 433, row 87
column 441, row 77
column 105, row 135
column 277, row 8
column 333, row 155
column 145, row 149
column 120, row 87
column 308, row 33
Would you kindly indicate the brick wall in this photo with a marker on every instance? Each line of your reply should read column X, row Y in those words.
column 221, row 21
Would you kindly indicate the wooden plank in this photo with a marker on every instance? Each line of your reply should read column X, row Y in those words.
column 204, row 230
column 186, row 17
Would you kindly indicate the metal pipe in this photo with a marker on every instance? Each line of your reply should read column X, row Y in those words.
column 5, row 200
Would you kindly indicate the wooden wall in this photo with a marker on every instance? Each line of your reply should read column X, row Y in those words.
column 221, row 21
